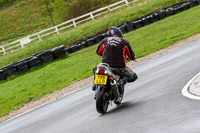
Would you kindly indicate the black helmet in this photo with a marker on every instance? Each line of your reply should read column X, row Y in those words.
column 115, row 31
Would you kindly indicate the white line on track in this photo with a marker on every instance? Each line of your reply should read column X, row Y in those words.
column 185, row 90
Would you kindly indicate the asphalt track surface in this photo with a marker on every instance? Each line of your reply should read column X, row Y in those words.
column 153, row 104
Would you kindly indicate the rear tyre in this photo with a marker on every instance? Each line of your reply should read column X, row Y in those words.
column 102, row 101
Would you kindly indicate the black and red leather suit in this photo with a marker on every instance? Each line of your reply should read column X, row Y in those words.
column 115, row 51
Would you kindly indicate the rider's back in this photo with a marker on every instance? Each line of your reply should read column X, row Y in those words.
column 115, row 51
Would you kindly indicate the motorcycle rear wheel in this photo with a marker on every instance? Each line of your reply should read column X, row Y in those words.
column 102, row 101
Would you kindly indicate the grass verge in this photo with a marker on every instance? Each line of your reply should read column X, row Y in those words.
column 59, row 74
column 137, row 10
column 24, row 17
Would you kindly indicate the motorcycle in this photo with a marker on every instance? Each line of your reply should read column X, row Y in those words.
column 108, row 87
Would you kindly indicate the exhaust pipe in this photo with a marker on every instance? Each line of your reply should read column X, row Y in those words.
column 114, row 88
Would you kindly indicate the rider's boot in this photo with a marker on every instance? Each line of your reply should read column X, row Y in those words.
column 117, row 100
column 132, row 78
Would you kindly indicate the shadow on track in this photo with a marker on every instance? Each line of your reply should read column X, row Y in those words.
column 120, row 108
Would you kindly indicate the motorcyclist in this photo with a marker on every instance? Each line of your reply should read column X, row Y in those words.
column 115, row 49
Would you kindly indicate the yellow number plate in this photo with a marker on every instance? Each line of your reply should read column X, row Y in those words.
column 100, row 79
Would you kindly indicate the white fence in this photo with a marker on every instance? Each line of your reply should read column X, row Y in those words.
column 20, row 43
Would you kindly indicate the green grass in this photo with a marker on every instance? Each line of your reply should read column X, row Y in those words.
column 139, row 9
column 7, row 3
column 30, row 16
column 59, row 74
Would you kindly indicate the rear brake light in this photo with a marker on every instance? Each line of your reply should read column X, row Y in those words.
column 101, row 71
